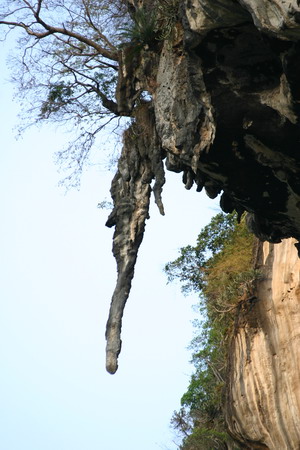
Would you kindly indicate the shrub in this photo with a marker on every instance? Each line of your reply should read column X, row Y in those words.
column 220, row 268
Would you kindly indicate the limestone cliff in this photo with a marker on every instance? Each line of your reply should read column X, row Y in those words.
column 263, row 391
column 222, row 108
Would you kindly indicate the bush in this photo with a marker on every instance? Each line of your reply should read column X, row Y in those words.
column 220, row 268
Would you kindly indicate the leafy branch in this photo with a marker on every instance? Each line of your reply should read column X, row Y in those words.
column 220, row 269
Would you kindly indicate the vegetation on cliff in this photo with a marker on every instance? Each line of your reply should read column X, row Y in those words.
column 69, row 65
column 66, row 67
column 220, row 268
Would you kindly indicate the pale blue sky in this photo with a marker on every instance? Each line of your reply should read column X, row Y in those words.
column 57, row 276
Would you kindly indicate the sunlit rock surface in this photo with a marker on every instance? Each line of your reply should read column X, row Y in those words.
column 263, row 391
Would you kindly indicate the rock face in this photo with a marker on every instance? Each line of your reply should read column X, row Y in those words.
column 227, row 115
column 139, row 164
column 222, row 108
column 263, row 391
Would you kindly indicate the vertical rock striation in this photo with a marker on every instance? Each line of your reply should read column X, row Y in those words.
column 263, row 390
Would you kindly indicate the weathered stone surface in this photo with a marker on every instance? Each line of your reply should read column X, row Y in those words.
column 278, row 17
column 224, row 110
column 139, row 164
column 183, row 109
column 206, row 15
column 226, row 115
column 263, row 391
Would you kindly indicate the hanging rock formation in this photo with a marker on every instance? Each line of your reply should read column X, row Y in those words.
column 139, row 164
column 224, row 111
column 222, row 108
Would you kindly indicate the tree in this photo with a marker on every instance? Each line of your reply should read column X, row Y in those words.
column 86, row 63
column 67, row 66
column 219, row 268
column 190, row 267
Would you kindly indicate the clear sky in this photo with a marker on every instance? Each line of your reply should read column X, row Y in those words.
column 57, row 276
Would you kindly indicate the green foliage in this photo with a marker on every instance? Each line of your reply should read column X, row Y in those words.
column 142, row 31
column 149, row 26
column 220, row 268
column 204, row 438
column 105, row 204
column 59, row 94
column 190, row 267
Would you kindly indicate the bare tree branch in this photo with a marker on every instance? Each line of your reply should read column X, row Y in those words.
column 52, row 30
column 68, row 66
column 49, row 29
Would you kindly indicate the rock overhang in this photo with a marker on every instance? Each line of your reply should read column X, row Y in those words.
column 224, row 111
